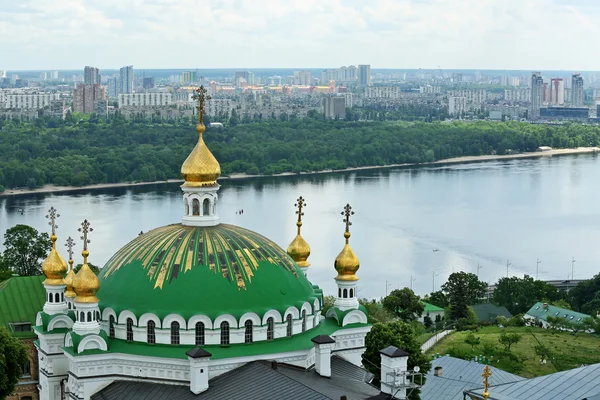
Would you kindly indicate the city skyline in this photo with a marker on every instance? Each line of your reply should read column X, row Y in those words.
column 430, row 34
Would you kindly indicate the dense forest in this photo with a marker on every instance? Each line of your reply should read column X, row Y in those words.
column 80, row 152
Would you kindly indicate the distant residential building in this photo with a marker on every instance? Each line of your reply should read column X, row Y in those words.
column 383, row 92
column 144, row 99
column 30, row 101
column 91, row 75
column 564, row 113
column 537, row 94
column 43, row 76
column 54, row 75
column 349, row 98
column 334, row 107
column 457, row 105
column 557, row 91
column 428, row 89
column 101, row 107
column 57, row 109
column 577, row 90
column 84, row 97
column 457, row 77
column 303, row 78
column 222, row 107
column 364, row 75
column 126, row 79
column 247, row 75
column 113, row 87
column 148, row 83
column 512, row 111
column 522, row 95
column 189, row 77
column 596, row 94
column 473, row 96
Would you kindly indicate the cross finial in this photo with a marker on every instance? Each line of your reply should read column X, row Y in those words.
column 85, row 229
column 52, row 216
column 347, row 213
column 300, row 204
column 486, row 385
column 201, row 96
column 70, row 244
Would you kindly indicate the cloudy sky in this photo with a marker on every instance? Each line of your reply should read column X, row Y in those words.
column 474, row 34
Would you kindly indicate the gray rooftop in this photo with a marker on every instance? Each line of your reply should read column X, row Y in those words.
column 574, row 384
column 457, row 376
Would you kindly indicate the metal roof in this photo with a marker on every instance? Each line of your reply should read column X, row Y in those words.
column 21, row 297
column 457, row 376
column 574, row 384
column 543, row 311
column 489, row 312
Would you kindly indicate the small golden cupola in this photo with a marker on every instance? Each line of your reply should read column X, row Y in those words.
column 69, row 292
column 346, row 263
column 299, row 250
column 85, row 282
column 54, row 266
column 201, row 168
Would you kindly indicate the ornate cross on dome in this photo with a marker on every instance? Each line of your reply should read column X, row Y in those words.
column 201, row 96
column 52, row 215
column 300, row 204
column 85, row 229
column 70, row 244
column 486, row 385
column 347, row 213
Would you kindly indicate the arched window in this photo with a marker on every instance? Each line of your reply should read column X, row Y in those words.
column 62, row 297
column 248, row 333
column 69, row 305
column 187, row 208
column 199, row 334
column 89, row 315
column 303, row 320
column 345, row 293
column 151, row 332
column 289, row 324
column 196, row 207
column 224, row 333
column 129, row 330
column 111, row 326
column 174, row 332
column 206, row 207
column 50, row 298
column 270, row 328
column 351, row 293
column 81, row 316
column 97, row 315
column 339, row 292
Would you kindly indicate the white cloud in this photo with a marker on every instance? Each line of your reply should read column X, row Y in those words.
column 479, row 34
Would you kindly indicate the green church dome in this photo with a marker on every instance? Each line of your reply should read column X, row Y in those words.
column 211, row 270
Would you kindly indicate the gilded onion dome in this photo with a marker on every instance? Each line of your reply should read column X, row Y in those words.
column 54, row 266
column 299, row 250
column 200, row 168
column 346, row 263
column 85, row 282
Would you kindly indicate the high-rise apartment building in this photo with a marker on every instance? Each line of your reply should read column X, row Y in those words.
column 113, row 86
column 126, row 79
column 303, row 78
column 91, row 75
column 457, row 105
column 557, row 91
column 84, row 97
column 364, row 75
column 144, row 99
column 522, row 95
column 148, row 82
column 247, row 75
column 334, row 107
column 54, row 75
column 577, row 90
column 537, row 94
column 30, row 100
column 189, row 77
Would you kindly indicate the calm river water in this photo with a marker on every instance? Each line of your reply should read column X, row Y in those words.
column 419, row 223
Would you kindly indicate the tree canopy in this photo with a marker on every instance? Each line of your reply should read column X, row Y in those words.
column 585, row 297
column 404, row 304
column 462, row 290
column 519, row 294
column 13, row 354
column 24, row 250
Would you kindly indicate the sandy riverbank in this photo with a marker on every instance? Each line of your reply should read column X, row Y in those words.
column 456, row 160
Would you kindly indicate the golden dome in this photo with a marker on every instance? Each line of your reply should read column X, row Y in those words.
column 86, row 283
column 346, row 263
column 299, row 250
column 54, row 266
column 200, row 168
column 69, row 292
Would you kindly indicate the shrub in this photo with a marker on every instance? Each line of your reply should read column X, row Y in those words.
column 517, row 320
column 488, row 349
column 500, row 320
column 464, row 324
column 1, row 189
column 460, row 353
column 486, row 323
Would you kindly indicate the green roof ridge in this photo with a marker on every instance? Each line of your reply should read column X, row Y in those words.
column 21, row 298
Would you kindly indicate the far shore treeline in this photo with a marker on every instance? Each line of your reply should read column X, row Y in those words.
column 79, row 152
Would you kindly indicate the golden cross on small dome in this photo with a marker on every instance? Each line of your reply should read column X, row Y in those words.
column 85, row 229
column 347, row 213
column 52, row 216
column 487, row 373
column 201, row 96
column 300, row 203
column 70, row 244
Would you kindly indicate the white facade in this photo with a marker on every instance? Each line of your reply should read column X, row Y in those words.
column 383, row 92
column 219, row 106
column 472, row 96
column 522, row 95
column 144, row 99
column 30, row 101
column 457, row 105
column 428, row 89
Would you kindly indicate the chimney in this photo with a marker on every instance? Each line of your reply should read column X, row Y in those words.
column 545, row 305
column 394, row 362
column 199, row 359
column 437, row 371
column 323, row 346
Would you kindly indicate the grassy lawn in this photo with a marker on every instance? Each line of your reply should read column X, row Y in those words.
column 568, row 351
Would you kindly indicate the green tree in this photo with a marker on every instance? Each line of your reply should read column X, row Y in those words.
column 399, row 334
column 25, row 249
column 463, row 289
column 508, row 339
column 327, row 304
column 376, row 311
column 562, row 303
column 93, row 268
column 13, row 354
column 585, row 297
column 542, row 351
column 472, row 340
column 437, row 299
column 404, row 304
column 518, row 295
column 427, row 321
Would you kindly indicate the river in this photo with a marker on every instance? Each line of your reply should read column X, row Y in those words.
column 410, row 223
